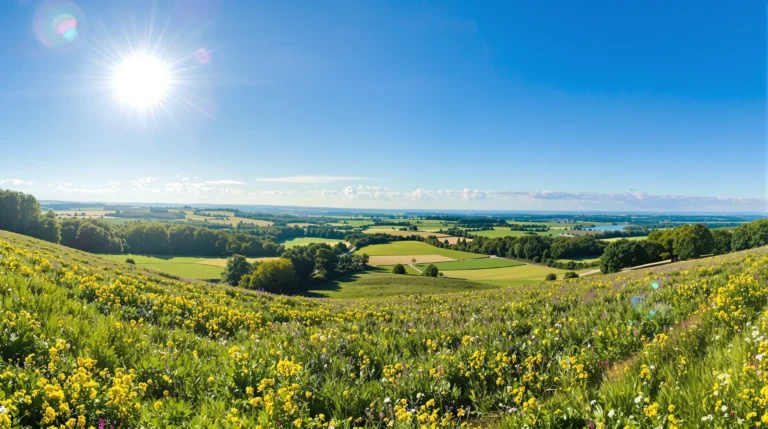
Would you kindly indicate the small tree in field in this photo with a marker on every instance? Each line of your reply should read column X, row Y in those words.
column 431, row 271
column 570, row 275
column 237, row 267
column 413, row 261
column 398, row 269
column 276, row 276
column 550, row 277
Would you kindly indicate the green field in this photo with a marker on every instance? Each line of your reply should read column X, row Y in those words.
column 589, row 259
column 559, row 224
column 473, row 264
column 404, row 248
column 388, row 269
column 191, row 267
column 508, row 276
column 303, row 241
column 356, row 223
column 641, row 237
column 395, row 231
column 501, row 231
column 372, row 284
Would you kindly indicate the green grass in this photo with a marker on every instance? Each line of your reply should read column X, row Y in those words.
column 473, row 264
column 184, row 266
column 508, row 276
column 303, row 241
column 501, row 231
column 404, row 248
column 355, row 223
column 584, row 259
column 372, row 284
column 387, row 269
column 191, row 267
column 641, row 237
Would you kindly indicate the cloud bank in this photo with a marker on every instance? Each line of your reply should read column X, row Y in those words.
column 310, row 179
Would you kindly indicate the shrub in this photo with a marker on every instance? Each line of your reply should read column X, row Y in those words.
column 550, row 277
column 431, row 271
column 130, row 261
column 398, row 269
column 570, row 275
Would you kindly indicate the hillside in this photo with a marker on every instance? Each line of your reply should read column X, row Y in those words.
column 86, row 342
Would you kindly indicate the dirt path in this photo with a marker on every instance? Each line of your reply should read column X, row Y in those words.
column 590, row 272
column 416, row 268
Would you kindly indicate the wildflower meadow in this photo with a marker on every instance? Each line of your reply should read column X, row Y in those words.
column 90, row 343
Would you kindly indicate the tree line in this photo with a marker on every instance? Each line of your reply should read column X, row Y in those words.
column 683, row 243
column 20, row 213
column 156, row 238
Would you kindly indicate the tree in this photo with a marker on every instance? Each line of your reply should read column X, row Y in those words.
column 276, row 276
column 551, row 277
column 325, row 262
column 431, row 271
column 721, row 238
column 237, row 267
column 46, row 228
column 693, row 241
column 570, row 275
column 614, row 257
column 413, row 261
column 398, row 269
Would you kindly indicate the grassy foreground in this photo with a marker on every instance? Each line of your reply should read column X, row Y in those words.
column 89, row 342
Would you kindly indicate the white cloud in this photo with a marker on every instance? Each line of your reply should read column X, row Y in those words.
column 381, row 193
column 310, row 179
column 222, row 182
column 68, row 188
column 272, row 193
column 15, row 182
column 641, row 200
column 144, row 182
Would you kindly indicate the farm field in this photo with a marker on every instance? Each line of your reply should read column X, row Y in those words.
column 507, row 276
column 592, row 346
column 356, row 223
column 89, row 213
column 407, row 248
column 585, row 259
column 474, row 264
column 640, row 237
column 500, row 231
column 303, row 241
column 560, row 224
column 191, row 267
column 389, row 230
column 231, row 219
column 376, row 284
column 388, row 269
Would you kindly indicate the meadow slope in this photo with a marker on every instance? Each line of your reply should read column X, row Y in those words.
column 91, row 342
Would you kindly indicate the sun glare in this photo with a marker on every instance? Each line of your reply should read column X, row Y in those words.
column 141, row 81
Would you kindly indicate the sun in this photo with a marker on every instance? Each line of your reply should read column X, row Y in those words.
column 141, row 81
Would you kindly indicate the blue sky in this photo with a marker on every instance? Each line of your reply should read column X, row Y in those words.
column 488, row 105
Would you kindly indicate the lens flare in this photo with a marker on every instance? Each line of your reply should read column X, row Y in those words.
column 58, row 23
column 203, row 56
